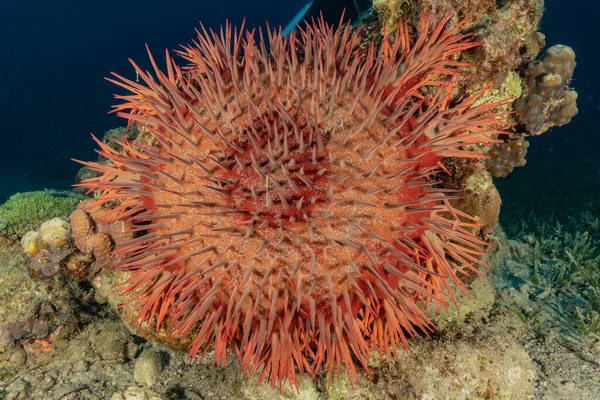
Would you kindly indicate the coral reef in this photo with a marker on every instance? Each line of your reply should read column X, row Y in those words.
column 508, row 31
column 301, row 213
column 25, row 212
column 504, row 157
column 483, row 354
column 259, row 233
column 549, row 101
column 47, row 247
column 101, row 359
column 510, row 43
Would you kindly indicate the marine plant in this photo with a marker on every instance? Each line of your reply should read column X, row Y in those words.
column 289, row 212
column 565, row 278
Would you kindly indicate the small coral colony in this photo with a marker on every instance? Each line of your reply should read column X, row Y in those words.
column 297, row 200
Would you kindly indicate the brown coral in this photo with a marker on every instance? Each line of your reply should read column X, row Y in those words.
column 481, row 199
column 549, row 101
column 504, row 157
column 92, row 234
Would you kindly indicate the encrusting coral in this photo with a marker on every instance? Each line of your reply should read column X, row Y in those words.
column 287, row 213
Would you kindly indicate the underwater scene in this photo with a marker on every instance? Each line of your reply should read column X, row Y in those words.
column 310, row 199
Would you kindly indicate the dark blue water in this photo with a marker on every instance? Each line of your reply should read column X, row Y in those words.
column 54, row 57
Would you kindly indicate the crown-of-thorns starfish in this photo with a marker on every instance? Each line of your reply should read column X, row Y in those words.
column 288, row 212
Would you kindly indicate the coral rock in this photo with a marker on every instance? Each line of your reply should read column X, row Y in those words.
column 147, row 368
column 507, row 29
column 78, row 265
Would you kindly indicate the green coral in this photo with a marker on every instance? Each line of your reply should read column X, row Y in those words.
column 24, row 212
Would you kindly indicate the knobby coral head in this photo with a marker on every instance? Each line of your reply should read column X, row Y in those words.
column 287, row 212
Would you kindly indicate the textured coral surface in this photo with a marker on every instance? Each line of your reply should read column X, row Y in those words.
column 92, row 235
column 504, row 157
column 287, row 212
column 549, row 101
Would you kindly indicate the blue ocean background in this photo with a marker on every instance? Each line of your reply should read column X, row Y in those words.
column 54, row 57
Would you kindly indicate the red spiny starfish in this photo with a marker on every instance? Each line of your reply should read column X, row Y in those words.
column 287, row 212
